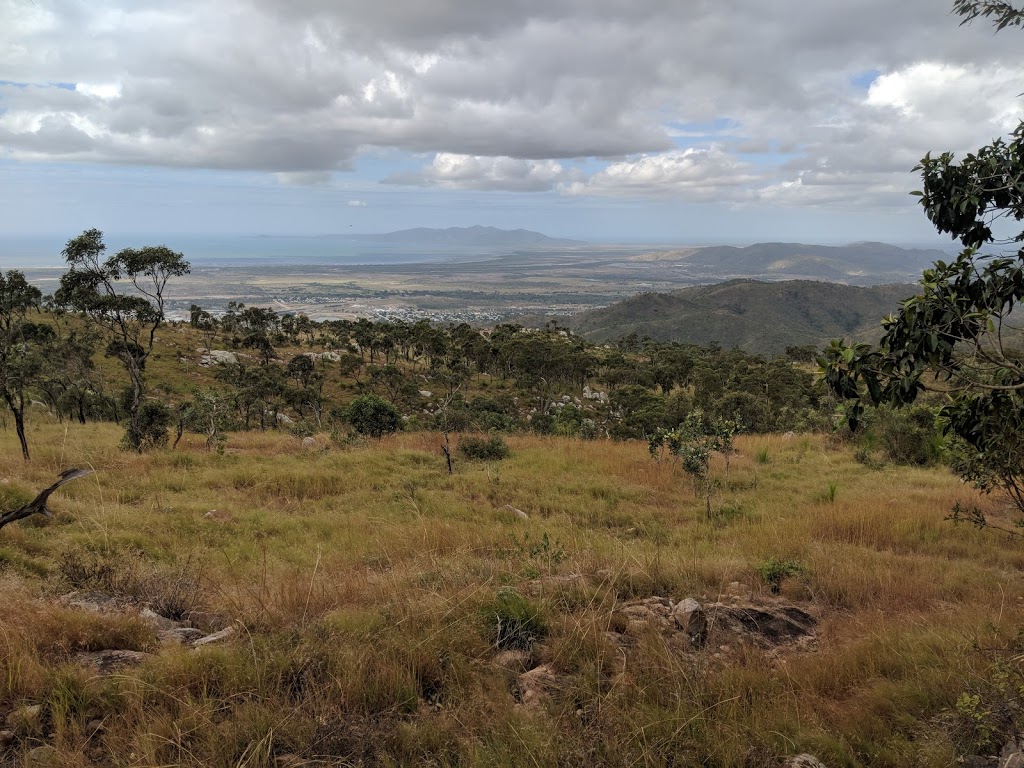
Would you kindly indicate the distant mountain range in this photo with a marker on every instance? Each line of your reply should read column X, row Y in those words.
column 759, row 317
column 858, row 262
column 465, row 237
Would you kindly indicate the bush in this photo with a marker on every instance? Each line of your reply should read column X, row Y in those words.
column 487, row 449
column 374, row 416
column 906, row 436
column 774, row 571
column 513, row 622
column 154, row 421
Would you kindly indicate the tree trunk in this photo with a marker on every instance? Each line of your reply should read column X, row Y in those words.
column 19, row 425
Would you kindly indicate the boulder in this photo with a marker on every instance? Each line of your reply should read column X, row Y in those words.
column 218, row 356
column 42, row 757
column 24, row 718
column 216, row 637
column 179, row 635
column 518, row 513
column 691, row 618
column 160, row 622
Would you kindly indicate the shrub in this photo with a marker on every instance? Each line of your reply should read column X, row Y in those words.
column 154, row 421
column 488, row 449
column 905, row 436
column 513, row 622
column 374, row 416
column 773, row 572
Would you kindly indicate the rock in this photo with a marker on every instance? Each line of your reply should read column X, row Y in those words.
column 24, row 718
column 332, row 357
column 537, row 686
column 94, row 602
column 105, row 662
column 160, row 622
column 309, row 443
column 220, row 516
column 42, row 757
column 512, row 659
column 179, row 635
column 803, row 761
column 545, row 583
column 691, row 618
column 6, row 739
column 519, row 514
column 284, row 418
column 94, row 726
column 216, row 637
column 1012, row 755
column 207, row 621
column 651, row 611
column 218, row 356
column 426, row 393
column 765, row 626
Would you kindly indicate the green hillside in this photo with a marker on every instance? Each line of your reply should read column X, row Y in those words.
column 754, row 316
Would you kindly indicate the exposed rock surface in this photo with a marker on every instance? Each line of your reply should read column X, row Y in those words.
column 105, row 662
column 218, row 356
column 765, row 625
column 803, row 761
column 538, row 685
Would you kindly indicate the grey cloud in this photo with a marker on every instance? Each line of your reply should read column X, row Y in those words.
column 302, row 86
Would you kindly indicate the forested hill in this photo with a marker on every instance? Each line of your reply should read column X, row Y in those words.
column 758, row 317
column 864, row 263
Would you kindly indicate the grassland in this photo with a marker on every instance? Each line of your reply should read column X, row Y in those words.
column 366, row 584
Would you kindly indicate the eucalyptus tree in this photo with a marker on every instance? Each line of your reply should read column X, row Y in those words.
column 123, row 295
column 21, row 352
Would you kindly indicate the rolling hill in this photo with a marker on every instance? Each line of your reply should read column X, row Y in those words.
column 758, row 317
column 872, row 262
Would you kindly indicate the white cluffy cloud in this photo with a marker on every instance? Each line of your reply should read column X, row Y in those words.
column 456, row 171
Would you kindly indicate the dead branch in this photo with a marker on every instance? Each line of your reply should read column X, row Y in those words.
column 38, row 504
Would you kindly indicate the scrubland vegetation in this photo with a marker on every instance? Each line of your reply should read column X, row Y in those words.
column 377, row 599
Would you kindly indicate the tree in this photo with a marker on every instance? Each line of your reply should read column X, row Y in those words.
column 20, row 356
column 124, row 296
column 373, row 416
column 954, row 336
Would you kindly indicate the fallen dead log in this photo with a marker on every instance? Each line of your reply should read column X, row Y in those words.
column 38, row 504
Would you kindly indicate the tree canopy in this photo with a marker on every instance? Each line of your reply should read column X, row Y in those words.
column 957, row 336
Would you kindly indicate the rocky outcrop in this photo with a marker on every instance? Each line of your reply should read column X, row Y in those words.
column 764, row 625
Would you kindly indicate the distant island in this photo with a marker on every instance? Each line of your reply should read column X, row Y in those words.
column 466, row 237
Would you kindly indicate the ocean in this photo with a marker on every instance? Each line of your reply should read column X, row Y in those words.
column 38, row 251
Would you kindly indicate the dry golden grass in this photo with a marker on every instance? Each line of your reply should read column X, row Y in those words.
column 361, row 579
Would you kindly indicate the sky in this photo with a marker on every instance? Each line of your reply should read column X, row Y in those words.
column 695, row 121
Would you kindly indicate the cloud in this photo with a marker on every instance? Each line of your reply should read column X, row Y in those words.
column 486, row 173
column 694, row 174
column 743, row 100
column 303, row 178
column 357, row 203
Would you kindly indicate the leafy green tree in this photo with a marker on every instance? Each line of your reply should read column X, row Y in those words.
column 953, row 337
column 373, row 416
column 21, row 357
column 124, row 296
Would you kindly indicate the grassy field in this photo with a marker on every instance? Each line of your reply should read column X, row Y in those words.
column 373, row 595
